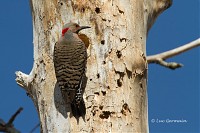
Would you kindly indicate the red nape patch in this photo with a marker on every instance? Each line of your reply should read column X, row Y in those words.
column 64, row 31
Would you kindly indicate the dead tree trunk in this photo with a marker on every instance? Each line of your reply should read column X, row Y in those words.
column 116, row 92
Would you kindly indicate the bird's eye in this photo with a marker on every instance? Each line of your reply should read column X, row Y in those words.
column 77, row 25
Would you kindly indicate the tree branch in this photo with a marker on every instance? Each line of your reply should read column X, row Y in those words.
column 159, row 58
column 14, row 116
column 38, row 125
column 157, row 7
column 24, row 80
column 8, row 127
column 21, row 79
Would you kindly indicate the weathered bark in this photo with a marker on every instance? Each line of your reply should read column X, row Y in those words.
column 115, row 93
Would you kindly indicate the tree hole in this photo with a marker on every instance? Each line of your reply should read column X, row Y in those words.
column 97, row 10
column 97, row 93
column 103, row 92
column 105, row 114
column 119, row 53
column 129, row 73
column 102, row 42
column 100, row 107
column 98, row 76
column 83, row 9
column 119, row 83
column 125, row 109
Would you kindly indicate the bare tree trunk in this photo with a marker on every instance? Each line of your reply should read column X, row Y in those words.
column 115, row 93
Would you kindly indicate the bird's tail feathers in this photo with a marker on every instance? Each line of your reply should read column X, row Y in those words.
column 78, row 108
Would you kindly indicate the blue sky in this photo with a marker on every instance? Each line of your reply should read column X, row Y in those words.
column 172, row 94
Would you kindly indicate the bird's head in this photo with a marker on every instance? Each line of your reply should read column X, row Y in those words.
column 73, row 27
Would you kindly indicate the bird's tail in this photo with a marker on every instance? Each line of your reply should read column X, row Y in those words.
column 78, row 108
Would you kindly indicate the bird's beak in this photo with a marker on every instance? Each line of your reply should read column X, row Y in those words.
column 81, row 28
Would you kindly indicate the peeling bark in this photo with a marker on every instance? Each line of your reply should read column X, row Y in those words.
column 115, row 94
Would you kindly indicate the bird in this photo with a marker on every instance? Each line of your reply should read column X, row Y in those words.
column 70, row 59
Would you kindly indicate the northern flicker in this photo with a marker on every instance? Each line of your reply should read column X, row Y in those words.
column 70, row 57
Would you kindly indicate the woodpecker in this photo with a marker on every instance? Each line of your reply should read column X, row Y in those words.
column 70, row 58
